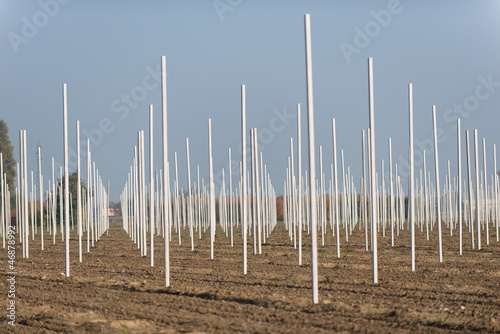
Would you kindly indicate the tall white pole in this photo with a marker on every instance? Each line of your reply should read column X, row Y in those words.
column 257, row 193
column 54, row 198
column 89, row 202
column 478, row 223
column 66, row 176
column 143, row 196
column 373, row 184
column 426, row 200
column 335, row 195
column 412, row 180
column 486, row 207
column 20, row 186
column 189, row 212
column 365, row 214
column 312, row 161
column 392, row 192
column 212, row 191
column 40, row 186
column 469, row 178
column 26, row 230
column 450, row 207
column 459, row 156
column 151, row 189
column 438, row 195
column 79, row 192
column 299, row 187
column 166, row 201
column 231, row 214
column 495, row 187
column 244, row 176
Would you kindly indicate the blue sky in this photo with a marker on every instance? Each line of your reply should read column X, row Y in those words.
column 109, row 52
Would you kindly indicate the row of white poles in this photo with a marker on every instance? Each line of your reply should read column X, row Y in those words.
column 257, row 198
column 94, row 206
column 302, row 209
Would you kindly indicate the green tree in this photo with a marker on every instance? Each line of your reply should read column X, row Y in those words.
column 9, row 163
column 73, row 190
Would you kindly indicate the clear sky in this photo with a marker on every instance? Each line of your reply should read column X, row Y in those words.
column 108, row 53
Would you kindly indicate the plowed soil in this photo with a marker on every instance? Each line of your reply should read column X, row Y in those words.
column 115, row 290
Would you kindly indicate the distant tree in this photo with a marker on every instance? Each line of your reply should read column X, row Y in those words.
column 9, row 163
column 73, row 190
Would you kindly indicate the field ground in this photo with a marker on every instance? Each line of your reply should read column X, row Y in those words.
column 116, row 291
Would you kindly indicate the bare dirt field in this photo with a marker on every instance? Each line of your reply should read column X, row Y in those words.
column 114, row 290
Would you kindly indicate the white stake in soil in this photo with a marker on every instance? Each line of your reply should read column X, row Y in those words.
column 79, row 192
column 151, row 188
column 459, row 156
column 438, row 195
column 412, row 180
column 478, row 223
column 312, row 161
column 166, row 191
column 299, row 174
column 66, row 175
column 244, row 177
column 373, row 184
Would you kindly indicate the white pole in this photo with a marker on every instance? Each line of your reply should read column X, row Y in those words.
column 486, row 207
column 335, row 195
column 426, row 203
column 322, row 221
column 40, row 186
column 450, row 208
column 312, row 161
column 365, row 214
column 26, row 230
column 189, row 213
column 244, row 177
column 66, row 175
column 143, row 196
column 166, row 201
column 478, row 225
column 79, row 192
column 54, row 225
column 373, row 185
column 257, row 193
column 212, row 191
column 151, row 188
column 495, row 185
column 292, row 195
column 469, row 177
column 89, row 202
column 32, row 209
column 392, row 192
column 412, row 180
column 231, row 220
column 299, row 173
column 459, row 156
column 438, row 195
